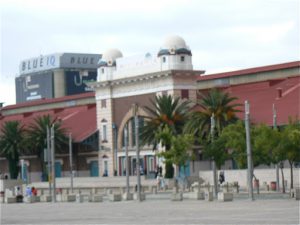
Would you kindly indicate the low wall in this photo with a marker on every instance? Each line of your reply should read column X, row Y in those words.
column 264, row 175
column 9, row 184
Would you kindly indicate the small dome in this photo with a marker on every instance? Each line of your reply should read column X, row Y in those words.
column 109, row 56
column 174, row 42
column 112, row 54
column 174, row 45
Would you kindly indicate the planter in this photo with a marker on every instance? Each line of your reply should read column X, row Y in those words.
column 256, row 184
column 273, row 185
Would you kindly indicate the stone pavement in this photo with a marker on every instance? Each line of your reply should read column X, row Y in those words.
column 155, row 211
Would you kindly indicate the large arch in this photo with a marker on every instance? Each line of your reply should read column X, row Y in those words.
column 126, row 118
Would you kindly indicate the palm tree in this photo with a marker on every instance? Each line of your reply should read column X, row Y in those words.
column 11, row 144
column 215, row 103
column 37, row 134
column 165, row 112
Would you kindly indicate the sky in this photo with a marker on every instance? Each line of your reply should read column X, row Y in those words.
column 224, row 35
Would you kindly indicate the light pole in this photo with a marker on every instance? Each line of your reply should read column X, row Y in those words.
column 136, row 121
column 114, row 126
column 49, row 159
column 212, row 131
column 249, row 151
column 71, row 161
column 275, row 128
column 53, row 163
column 126, row 160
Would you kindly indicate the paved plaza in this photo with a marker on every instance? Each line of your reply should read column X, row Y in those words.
column 155, row 211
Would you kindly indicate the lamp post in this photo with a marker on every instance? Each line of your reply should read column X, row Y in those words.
column 53, row 163
column 126, row 160
column 136, row 121
column 49, row 159
column 275, row 128
column 249, row 151
column 212, row 130
column 71, row 160
column 114, row 126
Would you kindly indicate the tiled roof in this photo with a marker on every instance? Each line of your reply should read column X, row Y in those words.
column 78, row 120
column 250, row 71
column 49, row 101
column 262, row 96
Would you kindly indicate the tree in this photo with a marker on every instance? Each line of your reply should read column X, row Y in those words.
column 180, row 150
column 289, row 146
column 165, row 112
column 12, row 138
column 37, row 134
column 234, row 136
column 215, row 103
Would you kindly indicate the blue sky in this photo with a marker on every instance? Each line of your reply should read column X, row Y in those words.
column 223, row 35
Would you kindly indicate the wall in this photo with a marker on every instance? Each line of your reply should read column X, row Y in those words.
column 264, row 175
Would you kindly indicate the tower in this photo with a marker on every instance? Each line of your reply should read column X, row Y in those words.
column 175, row 54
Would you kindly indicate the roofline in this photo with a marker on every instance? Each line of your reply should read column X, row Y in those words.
column 250, row 70
column 49, row 101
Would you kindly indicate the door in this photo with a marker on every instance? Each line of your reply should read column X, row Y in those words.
column 185, row 170
column 57, row 169
column 94, row 169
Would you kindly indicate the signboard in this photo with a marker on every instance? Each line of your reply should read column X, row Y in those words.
column 32, row 87
column 80, row 61
column 76, row 81
column 40, row 63
column 59, row 60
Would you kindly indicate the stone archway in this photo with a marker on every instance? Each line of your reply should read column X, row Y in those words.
column 126, row 118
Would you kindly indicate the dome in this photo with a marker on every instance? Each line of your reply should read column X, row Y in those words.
column 110, row 56
column 174, row 42
column 174, row 45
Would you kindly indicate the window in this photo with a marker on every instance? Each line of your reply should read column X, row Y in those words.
column 182, row 58
column 164, row 59
column 103, row 103
column 102, row 70
column 185, row 94
column 104, row 133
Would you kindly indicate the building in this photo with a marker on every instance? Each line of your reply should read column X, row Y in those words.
column 126, row 82
column 78, row 115
column 98, row 120
column 55, row 75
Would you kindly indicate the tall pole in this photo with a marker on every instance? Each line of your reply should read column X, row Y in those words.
column 249, row 152
column 137, row 152
column 276, row 166
column 49, row 159
column 212, row 130
column 115, row 149
column 126, row 159
column 71, row 160
column 53, row 164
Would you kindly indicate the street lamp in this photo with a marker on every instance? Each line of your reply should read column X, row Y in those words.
column 126, row 159
column 52, row 135
column 249, row 151
column 136, row 121
column 212, row 130
column 114, row 127
column 277, row 166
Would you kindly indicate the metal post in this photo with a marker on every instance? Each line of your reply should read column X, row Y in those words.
column 276, row 166
column 249, row 151
column 212, row 129
column 49, row 159
column 126, row 159
column 115, row 149
column 53, row 164
column 71, row 160
column 137, row 153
